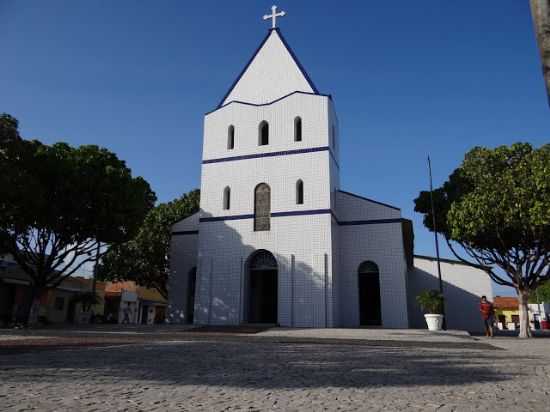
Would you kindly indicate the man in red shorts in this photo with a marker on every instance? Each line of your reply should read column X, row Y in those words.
column 488, row 315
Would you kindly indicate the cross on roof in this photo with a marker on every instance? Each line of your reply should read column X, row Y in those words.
column 273, row 16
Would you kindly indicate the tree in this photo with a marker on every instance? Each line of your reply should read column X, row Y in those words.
column 57, row 203
column 495, row 211
column 8, row 128
column 145, row 259
column 541, row 294
column 540, row 9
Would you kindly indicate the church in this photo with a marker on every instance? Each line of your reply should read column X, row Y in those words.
column 277, row 240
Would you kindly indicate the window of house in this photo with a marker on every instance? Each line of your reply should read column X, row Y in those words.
column 231, row 137
column 298, row 129
column 262, row 207
column 263, row 131
column 299, row 192
column 59, row 303
column 227, row 198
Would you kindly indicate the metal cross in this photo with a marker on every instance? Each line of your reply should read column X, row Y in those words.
column 273, row 16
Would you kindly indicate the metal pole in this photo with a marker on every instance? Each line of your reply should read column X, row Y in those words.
column 436, row 241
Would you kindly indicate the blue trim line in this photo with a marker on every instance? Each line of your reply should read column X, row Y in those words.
column 269, row 103
column 369, row 200
column 300, row 67
column 221, row 218
column 185, row 232
column 272, row 154
column 370, row 222
column 305, row 213
column 301, row 212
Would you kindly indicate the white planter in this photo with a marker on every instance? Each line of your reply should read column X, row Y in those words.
column 434, row 321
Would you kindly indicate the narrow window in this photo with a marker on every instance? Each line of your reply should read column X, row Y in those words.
column 263, row 131
column 227, row 198
column 262, row 207
column 333, row 137
column 298, row 129
column 231, row 137
column 299, row 192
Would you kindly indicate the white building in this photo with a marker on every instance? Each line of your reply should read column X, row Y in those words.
column 277, row 240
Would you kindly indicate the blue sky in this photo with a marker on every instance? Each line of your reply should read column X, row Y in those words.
column 408, row 79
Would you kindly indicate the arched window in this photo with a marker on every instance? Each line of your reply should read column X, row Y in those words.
column 231, row 137
column 262, row 207
column 298, row 129
column 227, row 198
column 263, row 133
column 299, row 192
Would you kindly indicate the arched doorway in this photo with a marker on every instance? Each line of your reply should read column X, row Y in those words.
column 262, row 287
column 191, row 286
column 370, row 313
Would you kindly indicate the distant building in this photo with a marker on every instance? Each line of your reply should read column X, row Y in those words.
column 62, row 303
column 507, row 312
column 125, row 302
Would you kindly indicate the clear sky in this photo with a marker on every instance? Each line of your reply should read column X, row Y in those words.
column 408, row 78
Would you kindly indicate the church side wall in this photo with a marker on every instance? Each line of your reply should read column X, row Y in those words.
column 383, row 245
column 463, row 287
column 183, row 257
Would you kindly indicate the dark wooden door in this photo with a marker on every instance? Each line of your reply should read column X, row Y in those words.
column 369, row 300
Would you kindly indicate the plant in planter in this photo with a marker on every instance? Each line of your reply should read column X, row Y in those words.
column 431, row 302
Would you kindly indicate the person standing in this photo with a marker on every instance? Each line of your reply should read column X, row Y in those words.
column 488, row 315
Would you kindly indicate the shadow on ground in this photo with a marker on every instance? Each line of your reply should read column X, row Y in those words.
column 260, row 365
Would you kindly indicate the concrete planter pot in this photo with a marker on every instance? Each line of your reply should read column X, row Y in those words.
column 434, row 321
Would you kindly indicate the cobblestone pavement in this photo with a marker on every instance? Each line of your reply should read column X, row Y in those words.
column 188, row 371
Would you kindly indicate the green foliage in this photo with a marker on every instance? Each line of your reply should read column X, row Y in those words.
column 431, row 301
column 541, row 294
column 496, row 205
column 57, row 202
column 8, row 128
column 145, row 259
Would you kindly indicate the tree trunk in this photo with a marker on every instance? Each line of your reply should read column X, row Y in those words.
column 34, row 307
column 524, row 328
column 540, row 10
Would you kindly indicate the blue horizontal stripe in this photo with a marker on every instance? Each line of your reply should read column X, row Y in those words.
column 271, row 154
column 370, row 222
column 268, row 103
column 301, row 212
column 304, row 213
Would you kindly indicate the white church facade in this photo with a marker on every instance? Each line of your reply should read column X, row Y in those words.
column 277, row 240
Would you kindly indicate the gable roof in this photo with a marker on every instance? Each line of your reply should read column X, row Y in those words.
column 272, row 72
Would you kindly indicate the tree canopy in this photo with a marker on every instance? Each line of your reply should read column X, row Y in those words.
column 145, row 258
column 496, row 207
column 58, row 202
column 8, row 128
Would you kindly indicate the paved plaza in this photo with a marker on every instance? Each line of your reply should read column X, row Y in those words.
column 174, row 369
